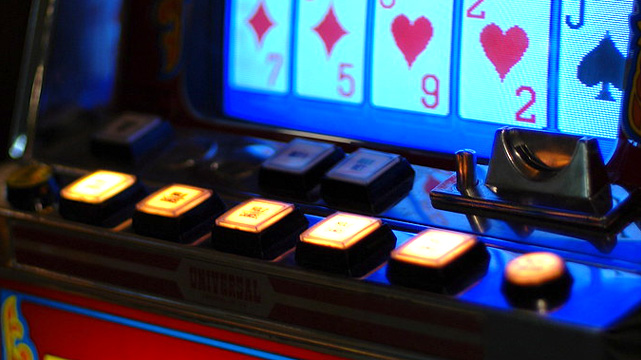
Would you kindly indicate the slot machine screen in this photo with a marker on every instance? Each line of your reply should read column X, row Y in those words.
column 435, row 76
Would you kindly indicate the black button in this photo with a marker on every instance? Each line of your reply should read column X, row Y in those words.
column 298, row 168
column 368, row 181
column 32, row 187
column 130, row 137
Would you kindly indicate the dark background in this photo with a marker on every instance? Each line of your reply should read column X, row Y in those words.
column 13, row 24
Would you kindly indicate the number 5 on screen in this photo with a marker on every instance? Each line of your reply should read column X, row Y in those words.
column 330, row 49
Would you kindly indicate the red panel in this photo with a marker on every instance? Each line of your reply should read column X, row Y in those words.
column 73, row 336
column 62, row 326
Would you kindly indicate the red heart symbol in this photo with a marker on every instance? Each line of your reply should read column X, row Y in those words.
column 410, row 38
column 504, row 50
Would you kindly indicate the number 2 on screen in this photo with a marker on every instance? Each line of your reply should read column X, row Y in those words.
column 524, row 108
column 472, row 14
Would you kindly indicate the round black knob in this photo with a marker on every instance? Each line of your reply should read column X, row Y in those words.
column 538, row 281
column 32, row 187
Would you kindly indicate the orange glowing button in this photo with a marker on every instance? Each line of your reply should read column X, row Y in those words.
column 254, row 215
column 97, row 187
column 173, row 200
column 535, row 269
column 434, row 248
column 341, row 230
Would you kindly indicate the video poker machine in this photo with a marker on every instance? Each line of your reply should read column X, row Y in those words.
column 324, row 179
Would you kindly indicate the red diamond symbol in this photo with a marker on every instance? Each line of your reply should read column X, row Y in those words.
column 330, row 30
column 261, row 22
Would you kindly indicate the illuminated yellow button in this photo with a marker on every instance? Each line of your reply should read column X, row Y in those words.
column 434, row 248
column 535, row 269
column 340, row 230
column 173, row 200
column 254, row 215
column 97, row 187
column 258, row 228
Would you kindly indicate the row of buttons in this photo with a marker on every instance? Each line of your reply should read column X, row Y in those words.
column 366, row 180
column 349, row 244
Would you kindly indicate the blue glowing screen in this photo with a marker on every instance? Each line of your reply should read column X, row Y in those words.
column 433, row 75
